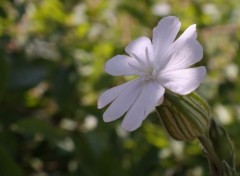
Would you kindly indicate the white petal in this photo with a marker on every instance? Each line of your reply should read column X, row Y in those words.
column 187, row 53
column 111, row 94
column 150, row 96
column 154, row 95
column 190, row 32
column 124, row 101
column 183, row 81
column 164, row 34
column 188, row 35
column 120, row 65
column 138, row 47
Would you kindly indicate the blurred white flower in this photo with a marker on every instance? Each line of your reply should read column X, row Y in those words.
column 231, row 72
column 223, row 114
column 212, row 10
column 90, row 123
column 161, row 9
column 160, row 64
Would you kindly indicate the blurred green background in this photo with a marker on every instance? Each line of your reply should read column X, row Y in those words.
column 52, row 55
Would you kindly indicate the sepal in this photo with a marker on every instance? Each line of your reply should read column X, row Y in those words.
column 184, row 117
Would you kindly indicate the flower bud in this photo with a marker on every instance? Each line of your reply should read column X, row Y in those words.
column 184, row 117
column 222, row 143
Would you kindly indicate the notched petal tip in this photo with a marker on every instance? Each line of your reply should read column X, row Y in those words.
column 190, row 32
column 100, row 103
column 164, row 35
column 193, row 26
column 108, row 96
column 193, row 29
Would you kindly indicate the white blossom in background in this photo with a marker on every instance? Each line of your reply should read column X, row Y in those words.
column 161, row 9
column 159, row 64
column 90, row 123
column 212, row 10
column 223, row 114
column 231, row 72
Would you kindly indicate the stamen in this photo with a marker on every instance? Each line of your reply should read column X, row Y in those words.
column 145, row 69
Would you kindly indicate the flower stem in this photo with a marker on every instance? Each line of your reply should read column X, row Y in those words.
column 219, row 151
column 214, row 160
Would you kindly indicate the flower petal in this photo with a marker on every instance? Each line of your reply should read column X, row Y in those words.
column 138, row 48
column 187, row 53
column 150, row 96
column 120, row 65
column 124, row 101
column 183, row 81
column 164, row 34
column 190, row 32
column 111, row 94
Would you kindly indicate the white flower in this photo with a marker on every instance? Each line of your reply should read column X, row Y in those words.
column 160, row 64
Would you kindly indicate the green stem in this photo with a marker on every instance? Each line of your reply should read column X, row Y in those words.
column 214, row 160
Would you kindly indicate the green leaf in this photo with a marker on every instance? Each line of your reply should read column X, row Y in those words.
column 8, row 167
column 4, row 72
column 64, row 87
column 33, row 126
column 222, row 144
column 25, row 76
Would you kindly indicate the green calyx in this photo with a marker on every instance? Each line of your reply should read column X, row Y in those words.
column 184, row 117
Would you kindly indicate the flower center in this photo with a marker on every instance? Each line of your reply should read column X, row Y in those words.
column 145, row 68
column 151, row 73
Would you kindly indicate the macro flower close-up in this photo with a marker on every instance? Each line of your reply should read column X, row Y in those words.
column 119, row 88
column 159, row 64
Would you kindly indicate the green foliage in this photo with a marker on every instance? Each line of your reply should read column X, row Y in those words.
column 52, row 55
